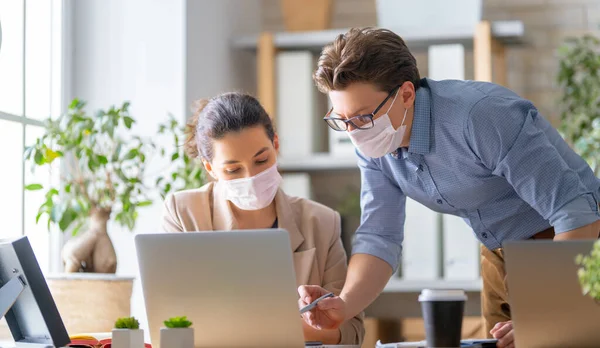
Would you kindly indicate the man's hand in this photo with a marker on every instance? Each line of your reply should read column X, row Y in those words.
column 329, row 314
column 505, row 334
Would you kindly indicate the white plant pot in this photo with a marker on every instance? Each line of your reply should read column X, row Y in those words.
column 177, row 338
column 125, row 338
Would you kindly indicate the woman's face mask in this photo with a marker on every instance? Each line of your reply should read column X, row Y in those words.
column 245, row 165
column 255, row 192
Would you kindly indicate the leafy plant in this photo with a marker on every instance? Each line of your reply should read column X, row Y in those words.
column 579, row 79
column 186, row 173
column 103, row 176
column 104, row 171
column 350, row 205
column 127, row 323
column 589, row 273
column 177, row 322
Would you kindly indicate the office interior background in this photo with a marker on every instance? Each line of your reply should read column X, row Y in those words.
column 162, row 55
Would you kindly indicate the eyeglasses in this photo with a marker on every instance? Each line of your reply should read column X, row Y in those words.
column 340, row 124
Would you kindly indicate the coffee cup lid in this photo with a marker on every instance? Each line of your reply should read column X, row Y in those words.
column 442, row 295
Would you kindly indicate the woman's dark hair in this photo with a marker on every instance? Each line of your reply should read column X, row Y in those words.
column 225, row 113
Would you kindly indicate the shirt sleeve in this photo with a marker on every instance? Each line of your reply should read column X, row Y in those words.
column 381, row 231
column 505, row 134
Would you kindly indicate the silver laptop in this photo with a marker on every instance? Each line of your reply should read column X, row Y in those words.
column 547, row 306
column 238, row 288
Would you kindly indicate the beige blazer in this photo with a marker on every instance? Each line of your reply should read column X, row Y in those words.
column 319, row 256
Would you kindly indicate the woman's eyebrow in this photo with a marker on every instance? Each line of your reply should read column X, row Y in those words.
column 261, row 151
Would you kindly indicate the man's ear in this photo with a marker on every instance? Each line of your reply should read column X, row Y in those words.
column 209, row 168
column 407, row 91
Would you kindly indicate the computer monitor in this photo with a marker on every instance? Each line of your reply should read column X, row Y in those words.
column 25, row 300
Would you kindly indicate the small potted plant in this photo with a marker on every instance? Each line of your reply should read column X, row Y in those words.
column 589, row 273
column 127, row 334
column 177, row 333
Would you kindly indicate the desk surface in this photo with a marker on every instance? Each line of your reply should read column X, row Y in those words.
column 11, row 344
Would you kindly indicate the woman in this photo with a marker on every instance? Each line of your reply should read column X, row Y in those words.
column 234, row 137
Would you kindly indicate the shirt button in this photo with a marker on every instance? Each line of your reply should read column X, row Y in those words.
column 484, row 235
column 439, row 201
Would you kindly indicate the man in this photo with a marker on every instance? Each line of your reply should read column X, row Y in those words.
column 472, row 149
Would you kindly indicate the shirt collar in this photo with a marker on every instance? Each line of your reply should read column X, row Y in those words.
column 420, row 134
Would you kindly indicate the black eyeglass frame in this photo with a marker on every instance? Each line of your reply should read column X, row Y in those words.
column 332, row 121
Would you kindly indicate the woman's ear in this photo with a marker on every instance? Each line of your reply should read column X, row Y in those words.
column 209, row 168
column 276, row 143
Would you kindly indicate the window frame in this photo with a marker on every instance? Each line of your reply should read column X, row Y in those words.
column 60, row 12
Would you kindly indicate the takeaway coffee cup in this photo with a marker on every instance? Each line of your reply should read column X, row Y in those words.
column 443, row 314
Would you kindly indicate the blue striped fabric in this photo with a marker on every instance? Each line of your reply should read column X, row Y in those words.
column 479, row 151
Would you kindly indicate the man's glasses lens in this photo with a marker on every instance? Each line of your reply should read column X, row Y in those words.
column 337, row 125
column 363, row 122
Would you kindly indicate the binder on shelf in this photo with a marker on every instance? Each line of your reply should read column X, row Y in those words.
column 297, row 184
column 446, row 62
column 421, row 259
column 461, row 250
column 301, row 132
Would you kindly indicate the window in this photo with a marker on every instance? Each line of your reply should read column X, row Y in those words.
column 31, row 79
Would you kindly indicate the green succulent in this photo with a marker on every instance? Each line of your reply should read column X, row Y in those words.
column 127, row 323
column 177, row 322
column 589, row 273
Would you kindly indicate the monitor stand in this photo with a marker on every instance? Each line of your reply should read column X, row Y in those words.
column 9, row 293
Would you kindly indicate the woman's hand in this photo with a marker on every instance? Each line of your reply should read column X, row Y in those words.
column 505, row 334
column 329, row 314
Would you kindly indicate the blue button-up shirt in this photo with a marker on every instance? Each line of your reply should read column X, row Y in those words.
column 478, row 151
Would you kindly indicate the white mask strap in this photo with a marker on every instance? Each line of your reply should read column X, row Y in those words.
column 404, row 118
column 393, row 101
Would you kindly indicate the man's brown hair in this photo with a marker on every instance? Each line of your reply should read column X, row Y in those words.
column 368, row 55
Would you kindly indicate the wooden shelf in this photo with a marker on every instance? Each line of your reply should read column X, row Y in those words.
column 317, row 162
column 505, row 32
column 400, row 285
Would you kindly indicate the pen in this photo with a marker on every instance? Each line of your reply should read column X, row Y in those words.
column 314, row 303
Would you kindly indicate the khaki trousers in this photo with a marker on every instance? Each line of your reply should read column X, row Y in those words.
column 494, row 295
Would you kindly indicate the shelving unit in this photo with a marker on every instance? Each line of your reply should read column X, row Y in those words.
column 505, row 32
column 318, row 162
column 488, row 43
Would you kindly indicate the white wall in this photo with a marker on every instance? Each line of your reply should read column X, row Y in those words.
column 212, row 66
column 160, row 55
column 131, row 50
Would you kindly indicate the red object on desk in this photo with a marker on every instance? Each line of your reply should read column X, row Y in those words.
column 105, row 343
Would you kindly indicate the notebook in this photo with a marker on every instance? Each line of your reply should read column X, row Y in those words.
column 473, row 343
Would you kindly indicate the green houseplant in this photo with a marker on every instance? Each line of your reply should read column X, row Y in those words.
column 127, row 334
column 127, row 323
column 589, row 273
column 350, row 212
column 103, row 177
column 177, row 322
column 579, row 80
column 177, row 333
